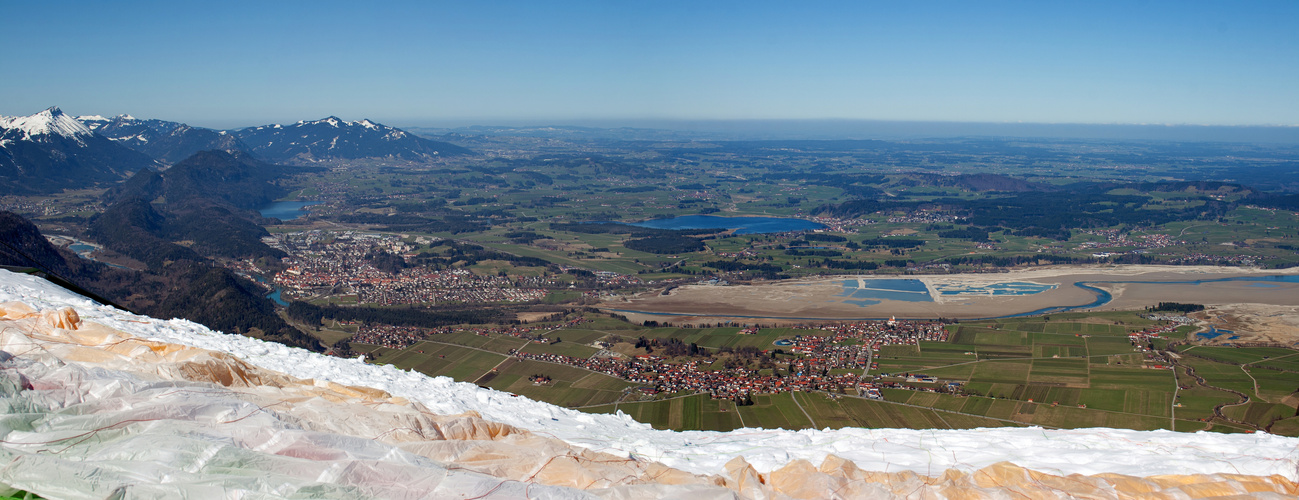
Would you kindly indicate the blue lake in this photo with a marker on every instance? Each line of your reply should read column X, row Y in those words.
column 287, row 210
column 1214, row 333
column 741, row 225
column 873, row 291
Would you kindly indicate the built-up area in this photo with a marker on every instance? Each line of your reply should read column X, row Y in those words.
column 326, row 263
column 828, row 361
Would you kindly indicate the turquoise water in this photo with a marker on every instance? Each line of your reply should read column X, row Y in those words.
column 80, row 247
column 275, row 296
column 287, row 210
column 998, row 289
column 741, row 225
column 1102, row 297
column 906, row 290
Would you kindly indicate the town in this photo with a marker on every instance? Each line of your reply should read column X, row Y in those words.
column 322, row 263
column 818, row 362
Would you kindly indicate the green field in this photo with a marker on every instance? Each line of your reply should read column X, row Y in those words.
column 1075, row 370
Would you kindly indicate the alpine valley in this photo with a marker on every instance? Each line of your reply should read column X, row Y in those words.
column 573, row 312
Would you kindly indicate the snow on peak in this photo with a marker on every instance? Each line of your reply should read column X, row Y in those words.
column 93, row 122
column 52, row 121
column 332, row 121
column 336, row 122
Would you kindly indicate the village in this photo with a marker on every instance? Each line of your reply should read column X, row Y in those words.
column 820, row 362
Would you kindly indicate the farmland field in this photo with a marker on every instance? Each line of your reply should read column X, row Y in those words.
column 1075, row 370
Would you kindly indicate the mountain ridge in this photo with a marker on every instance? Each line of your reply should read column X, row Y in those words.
column 49, row 151
column 166, row 141
column 332, row 138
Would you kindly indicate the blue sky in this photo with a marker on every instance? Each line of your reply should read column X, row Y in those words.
column 226, row 64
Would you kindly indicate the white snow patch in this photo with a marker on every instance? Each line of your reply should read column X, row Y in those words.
column 52, row 121
column 93, row 122
column 1081, row 451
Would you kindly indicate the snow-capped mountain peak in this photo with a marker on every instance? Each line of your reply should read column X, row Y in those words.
column 331, row 137
column 50, row 151
column 93, row 122
column 41, row 125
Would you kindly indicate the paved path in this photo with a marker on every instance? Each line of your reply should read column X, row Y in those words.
column 794, row 396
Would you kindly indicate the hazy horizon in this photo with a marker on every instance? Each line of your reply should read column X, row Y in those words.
column 813, row 129
column 847, row 129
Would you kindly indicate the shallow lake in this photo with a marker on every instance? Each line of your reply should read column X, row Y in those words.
column 907, row 290
column 287, row 210
column 741, row 225
column 994, row 289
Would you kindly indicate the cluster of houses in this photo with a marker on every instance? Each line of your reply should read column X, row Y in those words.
column 822, row 364
column 334, row 263
column 392, row 337
column 838, row 225
column 872, row 335
column 1204, row 258
column 659, row 375
column 427, row 286
column 1115, row 238
column 926, row 217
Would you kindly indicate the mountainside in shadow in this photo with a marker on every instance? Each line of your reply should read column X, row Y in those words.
column 235, row 178
column 186, row 287
column 210, row 201
column 50, row 151
column 168, row 142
